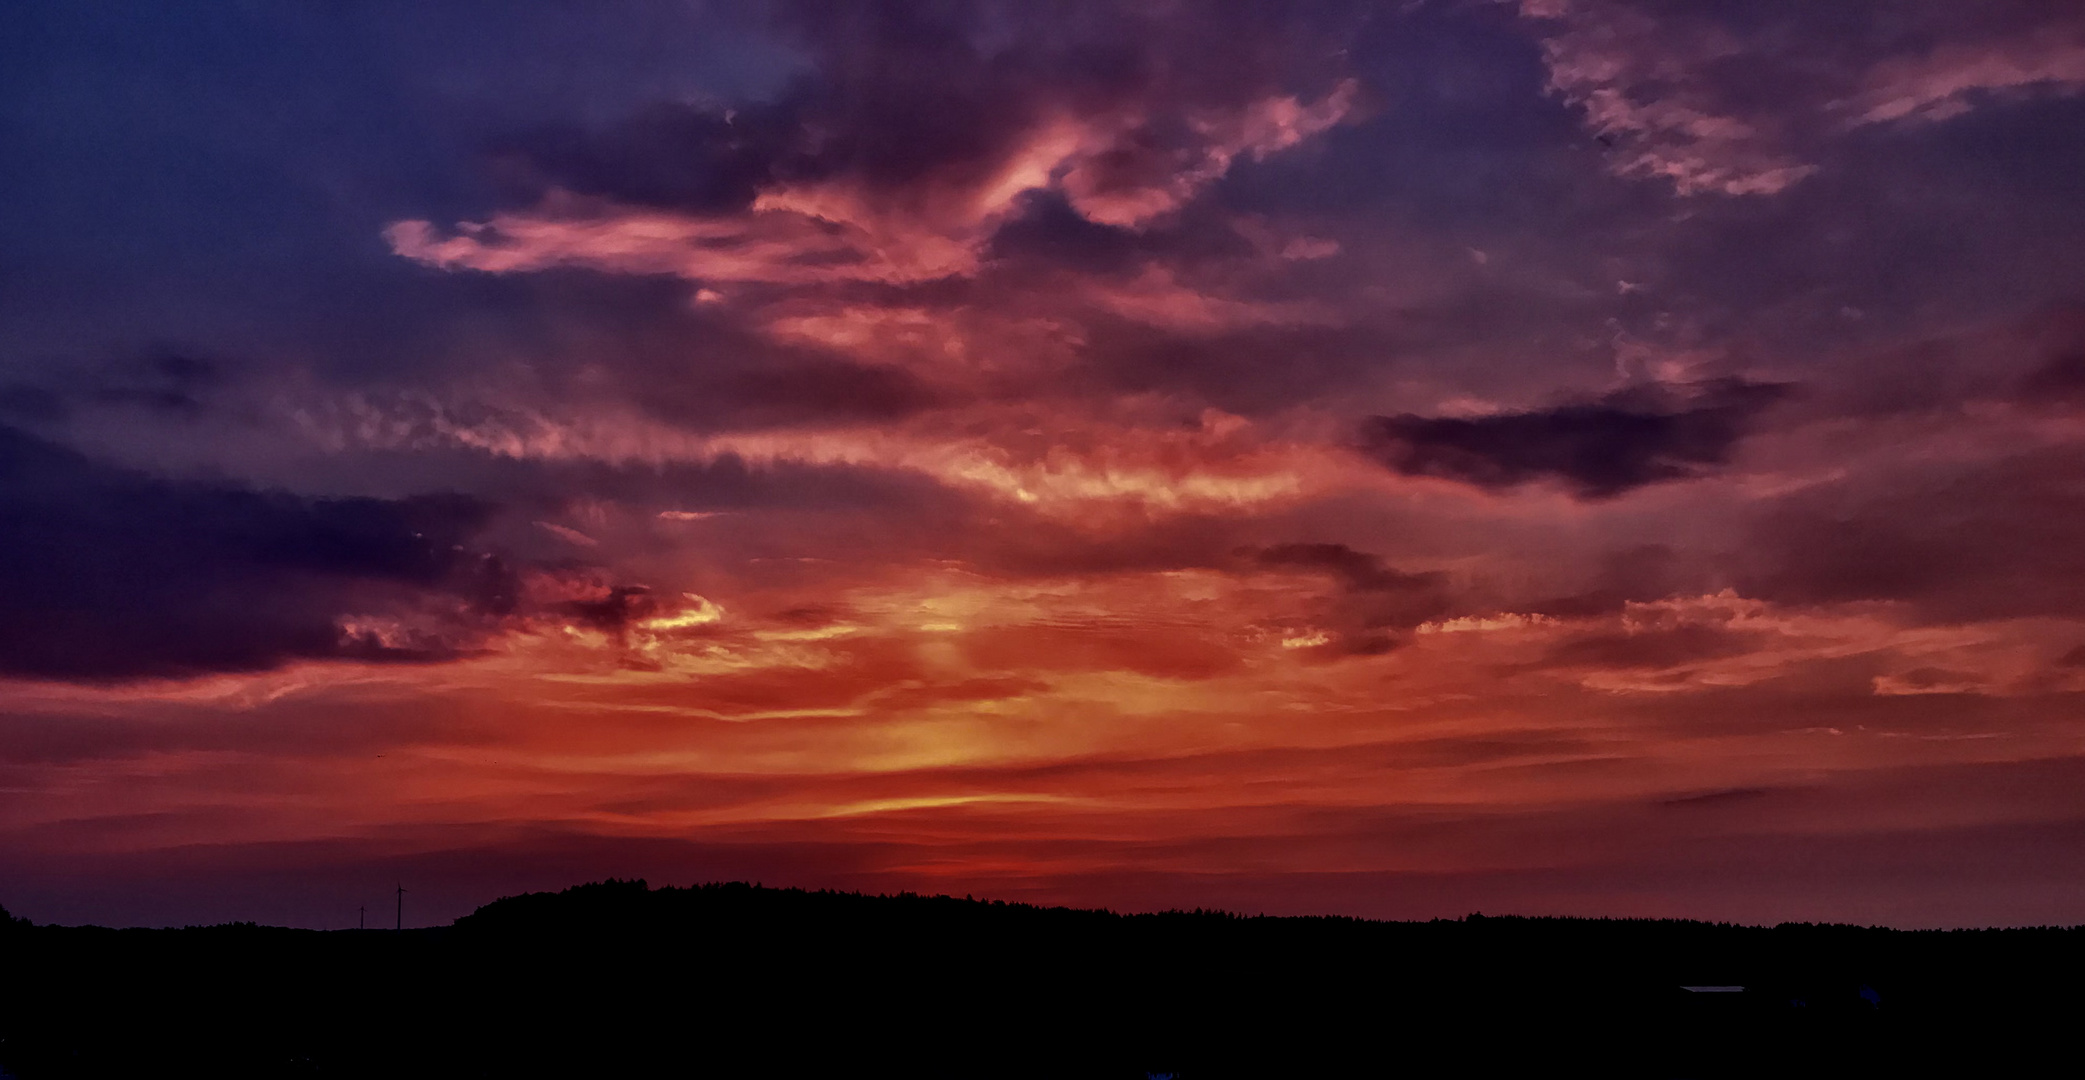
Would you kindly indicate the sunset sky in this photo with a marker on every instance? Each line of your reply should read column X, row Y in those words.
column 1597, row 457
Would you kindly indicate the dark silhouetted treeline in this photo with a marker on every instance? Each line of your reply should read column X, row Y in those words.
column 619, row 980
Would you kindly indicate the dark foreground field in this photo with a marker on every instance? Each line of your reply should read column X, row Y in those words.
column 617, row 980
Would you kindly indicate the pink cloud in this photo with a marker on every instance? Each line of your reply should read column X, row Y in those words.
column 1636, row 81
column 794, row 238
column 1126, row 179
column 1943, row 83
column 1111, row 166
column 1157, row 297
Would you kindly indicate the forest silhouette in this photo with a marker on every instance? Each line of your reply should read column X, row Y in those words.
column 735, row 980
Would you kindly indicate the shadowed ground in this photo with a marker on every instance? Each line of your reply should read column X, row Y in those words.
column 616, row 979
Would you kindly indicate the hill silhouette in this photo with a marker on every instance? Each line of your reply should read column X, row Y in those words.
column 731, row 980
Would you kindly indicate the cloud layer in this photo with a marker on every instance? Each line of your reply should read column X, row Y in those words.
column 1625, row 440
column 114, row 574
column 1595, row 456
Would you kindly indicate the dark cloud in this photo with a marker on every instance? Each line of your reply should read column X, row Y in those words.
column 1376, row 604
column 667, row 155
column 827, row 390
column 1993, row 539
column 1933, row 680
column 165, row 381
column 2062, row 378
column 22, row 402
column 359, row 729
column 1250, row 371
column 1049, row 230
column 552, row 488
column 901, row 97
column 810, row 615
column 1651, row 649
column 613, row 610
column 900, row 93
column 703, row 369
column 904, row 90
column 1047, row 233
column 110, row 574
column 2034, row 359
column 1640, row 573
column 1716, row 799
column 633, row 340
column 1101, row 647
column 1360, row 571
column 1623, row 441
column 1020, row 544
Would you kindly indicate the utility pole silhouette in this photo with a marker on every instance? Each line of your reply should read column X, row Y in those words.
column 401, row 908
column 362, row 917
